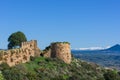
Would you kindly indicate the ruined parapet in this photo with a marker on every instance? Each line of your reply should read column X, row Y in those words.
column 62, row 51
column 15, row 56
column 30, row 44
column 46, row 52
column 21, row 55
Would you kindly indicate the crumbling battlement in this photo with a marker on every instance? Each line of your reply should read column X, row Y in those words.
column 30, row 44
column 21, row 55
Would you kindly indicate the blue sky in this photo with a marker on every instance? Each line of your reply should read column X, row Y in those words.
column 84, row 23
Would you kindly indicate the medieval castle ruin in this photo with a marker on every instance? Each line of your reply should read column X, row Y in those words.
column 13, row 57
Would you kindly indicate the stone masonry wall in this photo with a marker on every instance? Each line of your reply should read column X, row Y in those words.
column 62, row 51
column 21, row 55
column 13, row 57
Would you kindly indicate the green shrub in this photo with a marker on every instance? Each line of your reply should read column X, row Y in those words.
column 40, row 68
column 111, row 75
column 4, row 66
column 1, row 76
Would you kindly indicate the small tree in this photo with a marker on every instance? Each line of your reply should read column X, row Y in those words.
column 15, row 39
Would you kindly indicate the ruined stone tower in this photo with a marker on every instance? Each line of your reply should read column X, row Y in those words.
column 62, row 51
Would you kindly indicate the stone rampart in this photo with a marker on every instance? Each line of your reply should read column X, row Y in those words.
column 21, row 55
column 13, row 57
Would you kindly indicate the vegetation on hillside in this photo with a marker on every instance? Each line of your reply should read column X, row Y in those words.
column 1, row 76
column 40, row 68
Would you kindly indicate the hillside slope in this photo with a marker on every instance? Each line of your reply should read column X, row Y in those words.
column 41, row 68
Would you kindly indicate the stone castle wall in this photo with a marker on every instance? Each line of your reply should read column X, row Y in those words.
column 21, row 55
column 13, row 57
column 30, row 44
column 62, row 51
column 59, row 50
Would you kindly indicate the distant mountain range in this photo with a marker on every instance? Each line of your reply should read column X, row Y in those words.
column 109, row 57
column 114, row 48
